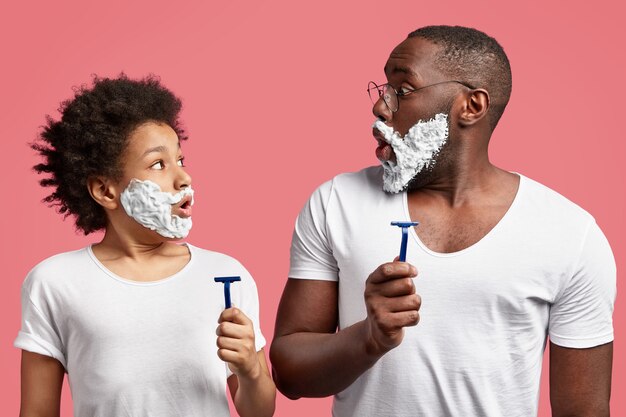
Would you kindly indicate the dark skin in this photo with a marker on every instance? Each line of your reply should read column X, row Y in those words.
column 459, row 201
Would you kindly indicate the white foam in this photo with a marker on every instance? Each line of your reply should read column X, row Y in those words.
column 414, row 151
column 152, row 208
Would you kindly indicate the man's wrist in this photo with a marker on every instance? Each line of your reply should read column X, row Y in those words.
column 373, row 349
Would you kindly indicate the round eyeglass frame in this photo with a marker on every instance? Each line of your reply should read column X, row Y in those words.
column 390, row 95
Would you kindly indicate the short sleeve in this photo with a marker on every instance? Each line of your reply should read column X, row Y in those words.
column 246, row 299
column 311, row 251
column 38, row 334
column 582, row 315
column 251, row 307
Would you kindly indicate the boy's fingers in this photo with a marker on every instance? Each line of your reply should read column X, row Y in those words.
column 235, row 315
column 227, row 355
column 237, row 331
column 228, row 343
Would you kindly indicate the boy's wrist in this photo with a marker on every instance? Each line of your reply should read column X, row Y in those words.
column 253, row 375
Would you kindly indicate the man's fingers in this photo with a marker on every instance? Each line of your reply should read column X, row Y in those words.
column 392, row 270
column 387, row 308
column 396, row 288
column 396, row 321
column 409, row 318
column 406, row 303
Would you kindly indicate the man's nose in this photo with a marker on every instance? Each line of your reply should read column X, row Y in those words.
column 381, row 111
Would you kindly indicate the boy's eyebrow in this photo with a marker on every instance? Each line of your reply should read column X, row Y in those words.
column 159, row 148
column 155, row 149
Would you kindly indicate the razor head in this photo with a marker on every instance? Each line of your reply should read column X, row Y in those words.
column 227, row 279
column 404, row 224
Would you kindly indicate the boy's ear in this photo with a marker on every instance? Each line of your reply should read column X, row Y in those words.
column 103, row 191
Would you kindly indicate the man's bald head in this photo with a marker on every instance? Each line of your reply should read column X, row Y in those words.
column 471, row 56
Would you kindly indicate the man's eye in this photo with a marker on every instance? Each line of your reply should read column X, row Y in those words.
column 404, row 91
column 157, row 165
column 181, row 162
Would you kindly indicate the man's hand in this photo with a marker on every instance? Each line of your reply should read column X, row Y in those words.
column 310, row 358
column 235, row 343
column 392, row 304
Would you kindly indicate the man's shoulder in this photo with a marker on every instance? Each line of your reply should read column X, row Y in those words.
column 366, row 177
column 551, row 203
column 366, row 180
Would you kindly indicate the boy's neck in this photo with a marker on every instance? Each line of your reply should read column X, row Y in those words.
column 115, row 246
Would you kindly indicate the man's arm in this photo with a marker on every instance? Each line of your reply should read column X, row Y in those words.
column 311, row 359
column 42, row 381
column 580, row 380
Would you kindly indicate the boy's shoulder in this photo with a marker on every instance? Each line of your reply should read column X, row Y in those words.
column 206, row 254
column 57, row 266
column 217, row 262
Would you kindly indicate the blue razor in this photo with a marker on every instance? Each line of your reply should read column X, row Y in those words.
column 405, row 236
column 226, row 281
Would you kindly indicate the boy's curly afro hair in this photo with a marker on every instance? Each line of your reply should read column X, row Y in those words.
column 91, row 136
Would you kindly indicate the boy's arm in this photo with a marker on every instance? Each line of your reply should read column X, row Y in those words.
column 42, row 381
column 251, row 387
column 254, row 395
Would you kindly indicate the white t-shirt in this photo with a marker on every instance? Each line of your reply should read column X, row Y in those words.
column 135, row 349
column 544, row 269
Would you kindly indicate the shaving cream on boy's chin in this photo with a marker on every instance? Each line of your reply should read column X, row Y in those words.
column 152, row 208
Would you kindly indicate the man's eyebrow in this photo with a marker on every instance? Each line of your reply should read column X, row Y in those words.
column 404, row 70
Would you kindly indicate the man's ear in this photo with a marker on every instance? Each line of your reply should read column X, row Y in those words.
column 103, row 191
column 475, row 107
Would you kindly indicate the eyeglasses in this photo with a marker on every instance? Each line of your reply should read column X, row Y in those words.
column 390, row 95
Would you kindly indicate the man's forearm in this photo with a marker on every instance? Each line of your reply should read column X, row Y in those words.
column 321, row 364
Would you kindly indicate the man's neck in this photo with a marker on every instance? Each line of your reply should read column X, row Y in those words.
column 464, row 183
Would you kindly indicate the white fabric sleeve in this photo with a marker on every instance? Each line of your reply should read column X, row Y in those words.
column 311, row 251
column 251, row 305
column 247, row 300
column 38, row 334
column 582, row 314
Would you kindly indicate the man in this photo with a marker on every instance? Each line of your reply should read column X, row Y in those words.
column 503, row 262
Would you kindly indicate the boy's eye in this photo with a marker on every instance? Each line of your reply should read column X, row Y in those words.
column 157, row 165
column 181, row 162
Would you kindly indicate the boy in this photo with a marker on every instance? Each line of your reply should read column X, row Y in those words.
column 136, row 320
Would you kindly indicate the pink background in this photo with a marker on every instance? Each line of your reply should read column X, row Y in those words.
column 275, row 102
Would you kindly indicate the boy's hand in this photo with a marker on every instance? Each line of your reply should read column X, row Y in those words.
column 235, row 342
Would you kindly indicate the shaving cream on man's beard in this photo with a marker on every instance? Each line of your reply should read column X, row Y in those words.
column 152, row 208
column 414, row 151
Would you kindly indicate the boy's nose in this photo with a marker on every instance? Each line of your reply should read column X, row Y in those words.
column 183, row 179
